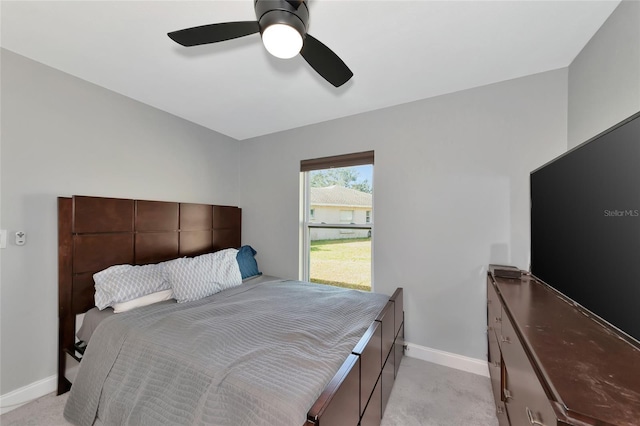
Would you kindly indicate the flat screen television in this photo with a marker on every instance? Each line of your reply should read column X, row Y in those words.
column 585, row 225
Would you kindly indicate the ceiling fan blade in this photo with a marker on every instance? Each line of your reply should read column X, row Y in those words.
column 214, row 33
column 325, row 62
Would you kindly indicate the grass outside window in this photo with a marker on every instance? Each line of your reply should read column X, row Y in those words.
column 342, row 262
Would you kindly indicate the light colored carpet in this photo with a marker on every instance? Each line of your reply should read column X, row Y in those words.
column 45, row 411
column 424, row 394
column 428, row 394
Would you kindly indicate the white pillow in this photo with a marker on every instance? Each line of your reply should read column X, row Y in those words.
column 149, row 299
column 121, row 283
column 201, row 276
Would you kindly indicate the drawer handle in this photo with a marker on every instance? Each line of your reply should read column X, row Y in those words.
column 508, row 395
column 531, row 419
column 498, row 319
column 504, row 339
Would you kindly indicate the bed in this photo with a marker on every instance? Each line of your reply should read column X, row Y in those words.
column 95, row 233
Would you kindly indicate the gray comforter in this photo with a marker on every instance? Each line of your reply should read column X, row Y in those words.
column 257, row 354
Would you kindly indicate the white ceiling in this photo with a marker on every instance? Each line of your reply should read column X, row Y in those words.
column 399, row 51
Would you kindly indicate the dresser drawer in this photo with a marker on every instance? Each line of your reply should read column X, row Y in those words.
column 501, row 414
column 495, row 367
column 494, row 309
column 525, row 398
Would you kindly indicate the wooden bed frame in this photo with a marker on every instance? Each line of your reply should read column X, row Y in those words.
column 95, row 233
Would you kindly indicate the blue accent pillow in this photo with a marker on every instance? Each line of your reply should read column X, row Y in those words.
column 247, row 262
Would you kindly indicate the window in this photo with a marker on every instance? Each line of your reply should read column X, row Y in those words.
column 346, row 216
column 336, row 220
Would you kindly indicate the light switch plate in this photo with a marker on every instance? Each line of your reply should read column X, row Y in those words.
column 3, row 238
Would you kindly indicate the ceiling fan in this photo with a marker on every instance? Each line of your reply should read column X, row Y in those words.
column 283, row 27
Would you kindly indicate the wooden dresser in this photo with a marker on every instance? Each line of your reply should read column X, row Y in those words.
column 551, row 363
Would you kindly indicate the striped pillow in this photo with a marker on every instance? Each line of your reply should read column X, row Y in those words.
column 201, row 276
column 121, row 283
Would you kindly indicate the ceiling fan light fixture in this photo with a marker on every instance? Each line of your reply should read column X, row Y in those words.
column 283, row 27
column 282, row 40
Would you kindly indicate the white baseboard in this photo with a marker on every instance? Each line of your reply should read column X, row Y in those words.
column 14, row 399
column 448, row 359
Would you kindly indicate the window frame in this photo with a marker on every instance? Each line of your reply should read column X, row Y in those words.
column 306, row 224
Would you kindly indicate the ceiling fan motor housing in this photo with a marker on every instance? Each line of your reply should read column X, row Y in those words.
column 289, row 12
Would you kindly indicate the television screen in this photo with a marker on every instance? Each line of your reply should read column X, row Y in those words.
column 585, row 225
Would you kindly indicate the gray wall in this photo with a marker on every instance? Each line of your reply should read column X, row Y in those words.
column 604, row 79
column 450, row 195
column 63, row 136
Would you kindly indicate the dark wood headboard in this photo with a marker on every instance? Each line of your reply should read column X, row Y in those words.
column 95, row 233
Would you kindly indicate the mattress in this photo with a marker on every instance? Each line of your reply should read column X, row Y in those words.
column 257, row 354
